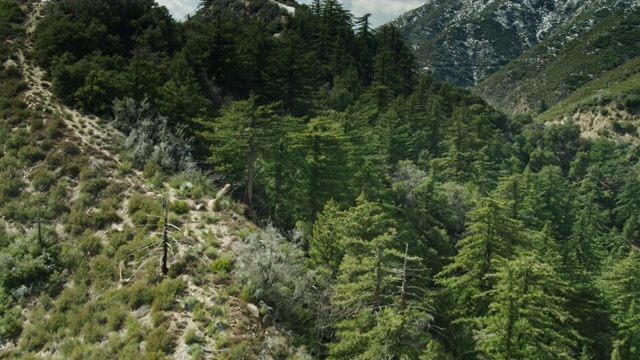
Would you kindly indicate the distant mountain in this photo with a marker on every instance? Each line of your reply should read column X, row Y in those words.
column 522, row 54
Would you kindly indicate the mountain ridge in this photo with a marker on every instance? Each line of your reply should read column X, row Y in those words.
column 470, row 43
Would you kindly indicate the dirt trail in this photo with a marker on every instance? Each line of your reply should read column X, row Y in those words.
column 93, row 135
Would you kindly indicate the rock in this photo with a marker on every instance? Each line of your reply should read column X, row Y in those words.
column 253, row 310
column 142, row 311
column 186, row 185
column 201, row 207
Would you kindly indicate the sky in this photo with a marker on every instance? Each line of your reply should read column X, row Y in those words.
column 382, row 11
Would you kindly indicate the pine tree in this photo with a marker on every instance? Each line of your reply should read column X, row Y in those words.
column 527, row 317
column 334, row 230
column 620, row 285
column 243, row 133
column 378, row 297
column 467, row 281
column 180, row 97
column 491, row 237
column 551, row 201
column 326, row 162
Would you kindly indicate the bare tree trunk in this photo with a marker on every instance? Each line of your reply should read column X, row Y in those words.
column 250, row 171
column 403, row 291
column 165, row 237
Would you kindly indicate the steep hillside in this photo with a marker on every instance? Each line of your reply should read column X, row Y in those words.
column 608, row 106
column 82, row 237
column 400, row 217
column 538, row 50
column 564, row 62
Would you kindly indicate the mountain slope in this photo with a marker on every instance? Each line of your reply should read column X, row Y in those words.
column 564, row 62
column 608, row 106
column 466, row 42
column 81, row 242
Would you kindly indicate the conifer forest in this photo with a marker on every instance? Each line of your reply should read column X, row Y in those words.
column 372, row 211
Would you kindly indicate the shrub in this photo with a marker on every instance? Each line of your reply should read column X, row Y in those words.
column 17, row 140
column 624, row 127
column 191, row 337
column 92, row 186
column 124, row 168
column 631, row 102
column 69, row 148
column 166, row 293
column 158, row 318
column 78, row 220
column 103, row 269
column 34, row 338
column 10, row 186
column 239, row 350
column 116, row 316
column 222, row 265
column 11, row 12
column 42, row 179
column 159, row 340
column 71, row 297
column 179, row 207
column 144, row 210
column 10, row 317
column 29, row 155
column 150, row 139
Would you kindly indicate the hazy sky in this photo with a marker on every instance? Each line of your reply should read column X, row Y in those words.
column 381, row 11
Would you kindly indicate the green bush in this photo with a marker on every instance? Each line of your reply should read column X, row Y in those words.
column 191, row 337
column 166, row 293
column 138, row 294
column 624, row 127
column 159, row 340
column 53, row 129
column 10, row 186
column 222, row 265
column 71, row 297
column 10, row 317
column 29, row 155
column 144, row 210
column 103, row 270
column 116, row 316
column 179, row 207
column 34, row 338
column 631, row 102
column 17, row 140
column 54, row 159
column 150, row 170
column 11, row 12
column 13, row 87
column 42, row 179
column 69, row 148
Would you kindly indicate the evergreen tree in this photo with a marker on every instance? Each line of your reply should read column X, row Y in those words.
column 181, row 98
column 620, row 285
column 240, row 136
column 550, row 200
column 467, row 281
column 326, row 163
column 527, row 317
column 334, row 229
column 378, row 315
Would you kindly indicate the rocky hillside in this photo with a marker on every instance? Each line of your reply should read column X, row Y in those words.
column 522, row 53
column 83, row 235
